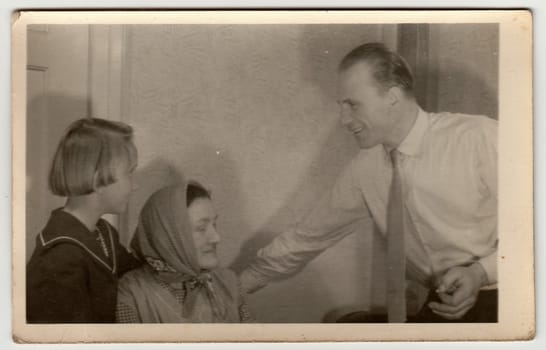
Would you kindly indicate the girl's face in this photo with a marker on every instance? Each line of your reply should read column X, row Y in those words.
column 203, row 218
column 115, row 196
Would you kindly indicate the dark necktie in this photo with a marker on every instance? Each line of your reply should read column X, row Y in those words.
column 396, row 257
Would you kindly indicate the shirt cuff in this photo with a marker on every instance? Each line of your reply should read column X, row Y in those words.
column 489, row 264
column 252, row 280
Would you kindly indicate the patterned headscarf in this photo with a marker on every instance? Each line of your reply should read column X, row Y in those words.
column 164, row 240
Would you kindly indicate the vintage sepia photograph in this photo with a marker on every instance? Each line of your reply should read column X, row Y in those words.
column 272, row 176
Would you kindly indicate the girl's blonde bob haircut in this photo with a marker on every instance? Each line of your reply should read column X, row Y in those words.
column 88, row 155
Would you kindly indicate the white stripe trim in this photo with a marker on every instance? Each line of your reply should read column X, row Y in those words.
column 113, row 248
column 81, row 244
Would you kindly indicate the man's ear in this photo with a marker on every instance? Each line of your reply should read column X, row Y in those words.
column 395, row 95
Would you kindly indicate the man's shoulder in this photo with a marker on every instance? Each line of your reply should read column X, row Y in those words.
column 460, row 123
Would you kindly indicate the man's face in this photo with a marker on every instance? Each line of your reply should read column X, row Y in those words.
column 365, row 110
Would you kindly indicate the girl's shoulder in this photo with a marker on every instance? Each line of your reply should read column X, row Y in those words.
column 64, row 231
column 60, row 259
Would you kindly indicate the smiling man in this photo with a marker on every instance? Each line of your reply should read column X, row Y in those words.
column 426, row 181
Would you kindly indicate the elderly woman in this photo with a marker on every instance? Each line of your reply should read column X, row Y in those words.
column 180, row 281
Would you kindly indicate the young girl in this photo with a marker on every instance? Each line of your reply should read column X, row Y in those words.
column 72, row 274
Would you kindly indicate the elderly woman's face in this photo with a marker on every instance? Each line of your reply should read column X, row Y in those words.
column 203, row 225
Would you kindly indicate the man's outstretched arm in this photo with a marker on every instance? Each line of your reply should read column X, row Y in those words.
column 339, row 213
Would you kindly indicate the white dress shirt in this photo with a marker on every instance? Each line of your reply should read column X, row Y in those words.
column 449, row 174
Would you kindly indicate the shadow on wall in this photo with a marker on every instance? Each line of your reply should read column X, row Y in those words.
column 457, row 88
column 466, row 91
column 333, row 155
column 148, row 179
column 297, row 300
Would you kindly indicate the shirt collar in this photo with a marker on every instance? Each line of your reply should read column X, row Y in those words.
column 63, row 226
column 411, row 145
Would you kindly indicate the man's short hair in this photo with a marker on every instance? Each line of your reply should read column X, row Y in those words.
column 390, row 69
column 88, row 155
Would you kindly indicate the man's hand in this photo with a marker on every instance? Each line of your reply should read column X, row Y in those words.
column 250, row 282
column 458, row 290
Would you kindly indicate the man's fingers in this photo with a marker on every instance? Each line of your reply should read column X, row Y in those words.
column 449, row 280
column 458, row 291
column 461, row 294
column 446, row 298
column 459, row 297
column 454, row 316
column 452, row 309
column 443, row 308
